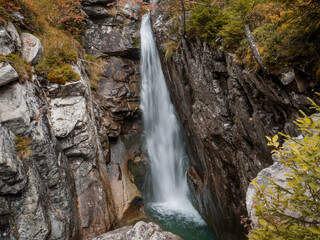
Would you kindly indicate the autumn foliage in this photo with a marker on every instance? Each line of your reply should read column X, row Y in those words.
column 71, row 17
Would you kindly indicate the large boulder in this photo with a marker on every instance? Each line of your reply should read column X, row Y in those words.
column 140, row 231
column 31, row 48
column 14, row 111
column 7, row 74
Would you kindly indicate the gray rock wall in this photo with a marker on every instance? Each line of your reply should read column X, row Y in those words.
column 57, row 167
column 226, row 112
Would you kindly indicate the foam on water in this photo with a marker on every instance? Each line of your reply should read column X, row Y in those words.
column 184, row 212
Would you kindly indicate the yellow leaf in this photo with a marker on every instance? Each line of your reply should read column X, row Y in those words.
column 313, row 230
column 263, row 222
column 308, row 121
column 275, row 138
column 314, row 187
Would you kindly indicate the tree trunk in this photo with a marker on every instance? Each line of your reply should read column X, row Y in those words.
column 254, row 49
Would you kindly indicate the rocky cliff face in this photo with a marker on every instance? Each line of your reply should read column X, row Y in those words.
column 65, row 149
column 226, row 111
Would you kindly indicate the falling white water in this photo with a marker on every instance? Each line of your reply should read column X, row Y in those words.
column 166, row 149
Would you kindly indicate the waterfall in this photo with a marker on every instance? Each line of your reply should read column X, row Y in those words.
column 163, row 137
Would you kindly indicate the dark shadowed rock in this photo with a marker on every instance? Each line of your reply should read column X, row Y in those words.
column 226, row 112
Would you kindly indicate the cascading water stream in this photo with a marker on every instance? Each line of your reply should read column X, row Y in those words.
column 166, row 150
column 161, row 128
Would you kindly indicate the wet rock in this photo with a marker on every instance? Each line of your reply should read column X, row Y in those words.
column 6, row 42
column 31, row 48
column 7, row 74
column 138, row 167
column 141, row 231
column 14, row 111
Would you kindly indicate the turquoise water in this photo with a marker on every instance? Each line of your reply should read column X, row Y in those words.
column 185, row 225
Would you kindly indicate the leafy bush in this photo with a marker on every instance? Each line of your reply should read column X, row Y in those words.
column 300, row 196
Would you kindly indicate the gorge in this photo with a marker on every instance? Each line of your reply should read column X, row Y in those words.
column 169, row 197
column 78, row 140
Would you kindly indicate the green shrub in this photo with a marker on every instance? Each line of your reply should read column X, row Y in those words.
column 302, row 193
column 206, row 22
column 286, row 31
column 56, row 66
column 63, row 74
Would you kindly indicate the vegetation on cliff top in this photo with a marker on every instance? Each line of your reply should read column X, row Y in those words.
column 293, row 211
column 287, row 32
column 59, row 25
